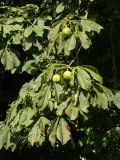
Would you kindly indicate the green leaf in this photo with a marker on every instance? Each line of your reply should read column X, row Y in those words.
column 17, row 39
column 83, row 102
column 60, row 8
column 116, row 99
column 70, row 45
column 17, row 27
column 39, row 28
column 63, row 132
column 7, row 29
column 45, row 96
column 28, row 31
column 5, row 137
column 19, row 19
column 58, row 89
column 30, row 67
column 93, row 72
column 27, row 44
column 83, row 78
column 26, row 116
column 52, row 36
column 61, row 108
column 54, row 32
column 9, row 60
column 72, row 111
column 90, row 26
column 38, row 45
column 84, row 39
column 101, row 98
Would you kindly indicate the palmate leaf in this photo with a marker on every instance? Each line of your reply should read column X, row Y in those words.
column 36, row 135
column 9, row 60
column 63, row 131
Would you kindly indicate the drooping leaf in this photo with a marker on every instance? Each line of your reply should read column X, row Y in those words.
column 52, row 131
column 93, row 72
column 84, row 39
column 83, row 102
column 63, row 131
column 58, row 89
column 101, row 98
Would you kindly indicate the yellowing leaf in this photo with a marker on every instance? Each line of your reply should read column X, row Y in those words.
column 72, row 111
column 37, row 133
column 63, row 132
column 52, row 132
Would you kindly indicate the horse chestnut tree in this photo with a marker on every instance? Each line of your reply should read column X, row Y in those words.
column 64, row 101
